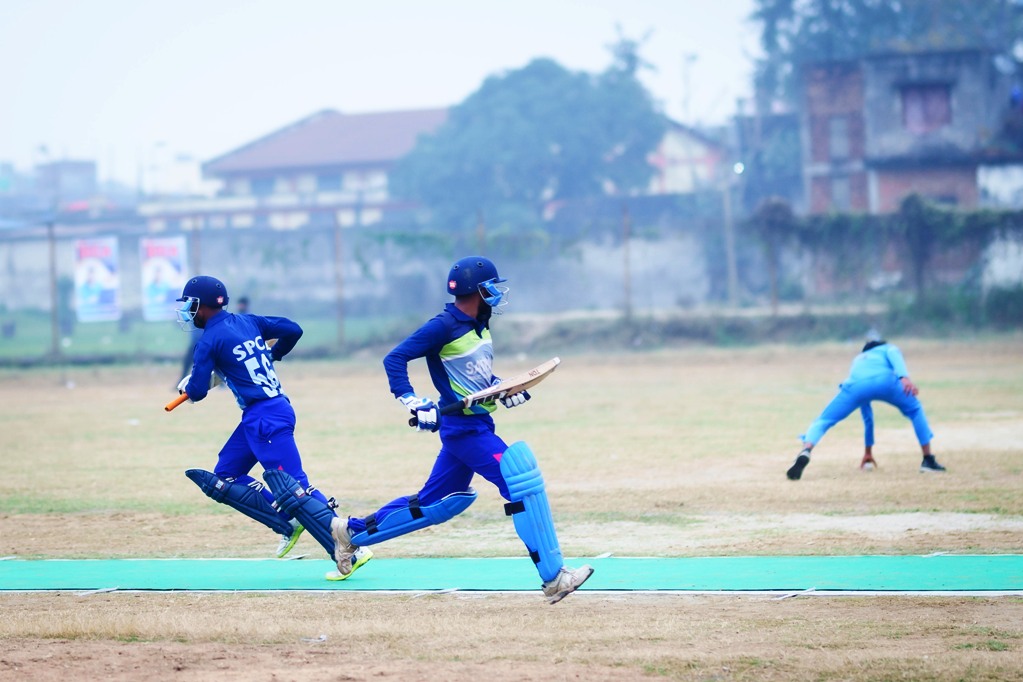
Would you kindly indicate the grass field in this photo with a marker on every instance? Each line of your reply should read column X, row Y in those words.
column 668, row 453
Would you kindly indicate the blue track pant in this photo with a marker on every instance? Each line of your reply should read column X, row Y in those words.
column 886, row 388
column 464, row 452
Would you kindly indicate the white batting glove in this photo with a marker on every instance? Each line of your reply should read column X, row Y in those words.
column 516, row 399
column 424, row 412
column 215, row 380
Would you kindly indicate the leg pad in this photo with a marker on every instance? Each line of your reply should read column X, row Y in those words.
column 414, row 517
column 296, row 501
column 530, row 510
column 244, row 498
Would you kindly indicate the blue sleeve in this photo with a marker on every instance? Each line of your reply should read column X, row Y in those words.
column 202, row 366
column 896, row 360
column 867, row 412
column 284, row 330
column 427, row 340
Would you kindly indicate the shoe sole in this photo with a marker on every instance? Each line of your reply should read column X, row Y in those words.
column 335, row 576
column 564, row 593
column 291, row 545
column 927, row 470
column 795, row 471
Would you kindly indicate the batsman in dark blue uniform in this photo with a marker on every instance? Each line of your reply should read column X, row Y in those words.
column 460, row 356
column 234, row 349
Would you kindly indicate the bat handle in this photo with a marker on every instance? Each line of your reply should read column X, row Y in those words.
column 174, row 403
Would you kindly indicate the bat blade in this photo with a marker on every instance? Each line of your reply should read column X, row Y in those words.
column 510, row 386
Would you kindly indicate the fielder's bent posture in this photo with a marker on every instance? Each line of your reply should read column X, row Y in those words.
column 235, row 349
column 459, row 355
column 878, row 373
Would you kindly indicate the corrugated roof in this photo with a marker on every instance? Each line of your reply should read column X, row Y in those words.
column 330, row 138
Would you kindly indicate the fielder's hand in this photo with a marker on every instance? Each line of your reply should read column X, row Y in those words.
column 515, row 400
column 183, row 383
column 424, row 412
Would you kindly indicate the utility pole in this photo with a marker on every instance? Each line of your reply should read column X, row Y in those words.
column 51, row 239
column 627, row 266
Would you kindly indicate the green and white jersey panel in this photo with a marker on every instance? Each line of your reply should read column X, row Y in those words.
column 469, row 364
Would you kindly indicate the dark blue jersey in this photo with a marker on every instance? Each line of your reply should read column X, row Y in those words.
column 234, row 345
column 459, row 354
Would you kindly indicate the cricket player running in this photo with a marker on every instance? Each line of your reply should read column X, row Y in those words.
column 234, row 349
column 878, row 373
column 459, row 355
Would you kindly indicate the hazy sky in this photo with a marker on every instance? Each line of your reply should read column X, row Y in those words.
column 111, row 79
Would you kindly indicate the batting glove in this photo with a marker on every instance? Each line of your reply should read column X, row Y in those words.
column 516, row 399
column 215, row 380
column 424, row 412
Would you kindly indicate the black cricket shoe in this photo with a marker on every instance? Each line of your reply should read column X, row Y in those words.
column 930, row 465
column 796, row 470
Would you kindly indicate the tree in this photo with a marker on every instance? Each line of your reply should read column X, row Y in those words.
column 794, row 33
column 537, row 134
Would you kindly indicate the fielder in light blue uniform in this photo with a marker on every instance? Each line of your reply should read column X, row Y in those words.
column 233, row 348
column 878, row 373
column 459, row 355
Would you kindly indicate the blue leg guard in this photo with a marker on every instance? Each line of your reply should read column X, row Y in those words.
column 529, row 509
column 414, row 517
column 296, row 501
column 244, row 498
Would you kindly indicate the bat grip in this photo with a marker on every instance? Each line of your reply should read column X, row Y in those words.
column 174, row 403
column 452, row 408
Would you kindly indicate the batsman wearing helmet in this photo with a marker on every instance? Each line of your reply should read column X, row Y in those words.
column 460, row 355
column 239, row 349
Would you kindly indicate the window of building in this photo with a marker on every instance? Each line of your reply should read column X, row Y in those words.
column 926, row 107
column 328, row 182
column 263, row 187
column 838, row 138
column 841, row 194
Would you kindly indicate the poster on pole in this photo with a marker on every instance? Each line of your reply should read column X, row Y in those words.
column 163, row 275
column 97, row 280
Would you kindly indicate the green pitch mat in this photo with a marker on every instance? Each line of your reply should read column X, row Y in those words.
column 938, row 573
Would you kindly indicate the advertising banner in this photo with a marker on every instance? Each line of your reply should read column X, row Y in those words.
column 162, row 262
column 97, row 280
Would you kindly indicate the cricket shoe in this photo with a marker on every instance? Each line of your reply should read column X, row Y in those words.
column 930, row 465
column 796, row 470
column 359, row 557
column 566, row 582
column 287, row 542
column 344, row 550
column 868, row 463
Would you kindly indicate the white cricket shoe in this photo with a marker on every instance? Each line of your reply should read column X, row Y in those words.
column 344, row 550
column 566, row 582
column 288, row 541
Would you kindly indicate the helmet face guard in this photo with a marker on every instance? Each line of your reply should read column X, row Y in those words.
column 186, row 313
column 493, row 295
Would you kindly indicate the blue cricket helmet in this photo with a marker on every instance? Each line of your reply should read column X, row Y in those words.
column 476, row 273
column 209, row 291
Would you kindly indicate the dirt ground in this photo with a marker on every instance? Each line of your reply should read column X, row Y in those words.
column 636, row 467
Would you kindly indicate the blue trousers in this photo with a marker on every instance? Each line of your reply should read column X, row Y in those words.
column 468, row 447
column 265, row 435
column 886, row 388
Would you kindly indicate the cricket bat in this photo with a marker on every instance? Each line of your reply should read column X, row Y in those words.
column 510, row 386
